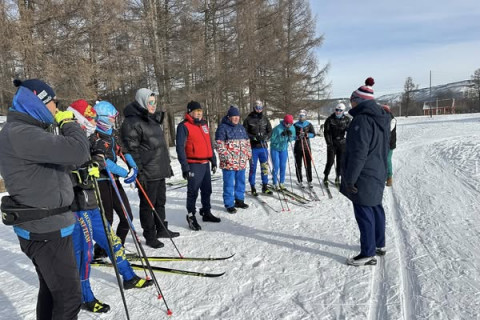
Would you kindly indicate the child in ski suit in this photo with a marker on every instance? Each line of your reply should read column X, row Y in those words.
column 89, row 224
column 304, row 131
column 259, row 130
column 234, row 152
column 106, row 134
column 281, row 137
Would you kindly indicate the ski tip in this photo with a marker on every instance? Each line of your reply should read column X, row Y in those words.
column 169, row 312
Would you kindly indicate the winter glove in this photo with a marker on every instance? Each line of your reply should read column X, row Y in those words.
column 351, row 189
column 285, row 133
column 260, row 136
column 93, row 170
column 301, row 135
column 99, row 147
column 214, row 169
column 62, row 117
column 132, row 175
column 187, row 175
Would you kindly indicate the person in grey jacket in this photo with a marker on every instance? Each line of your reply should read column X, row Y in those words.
column 34, row 163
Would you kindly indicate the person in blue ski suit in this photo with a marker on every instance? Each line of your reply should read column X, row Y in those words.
column 304, row 131
column 234, row 151
column 281, row 137
column 365, row 171
column 259, row 130
column 89, row 224
column 106, row 134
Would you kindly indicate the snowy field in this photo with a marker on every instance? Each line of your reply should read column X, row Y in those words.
column 291, row 264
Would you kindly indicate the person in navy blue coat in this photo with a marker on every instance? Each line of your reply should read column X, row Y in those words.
column 365, row 171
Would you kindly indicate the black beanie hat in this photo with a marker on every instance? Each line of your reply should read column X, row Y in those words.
column 193, row 105
column 42, row 90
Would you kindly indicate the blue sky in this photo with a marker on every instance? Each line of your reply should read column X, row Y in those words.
column 392, row 40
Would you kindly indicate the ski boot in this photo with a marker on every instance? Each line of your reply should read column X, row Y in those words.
column 154, row 243
column 282, row 186
column 325, row 181
column 361, row 261
column 136, row 283
column 266, row 190
column 300, row 184
column 96, row 306
column 98, row 252
column 240, row 204
column 164, row 232
column 381, row 251
column 310, row 184
column 254, row 192
column 231, row 210
column 207, row 216
column 192, row 222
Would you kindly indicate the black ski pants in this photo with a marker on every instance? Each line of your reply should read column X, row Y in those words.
column 111, row 202
column 299, row 161
column 334, row 151
column 201, row 180
column 60, row 294
column 157, row 193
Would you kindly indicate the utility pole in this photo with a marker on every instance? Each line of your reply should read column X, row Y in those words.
column 430, row 95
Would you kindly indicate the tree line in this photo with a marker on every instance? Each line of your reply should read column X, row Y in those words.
column 218, row 52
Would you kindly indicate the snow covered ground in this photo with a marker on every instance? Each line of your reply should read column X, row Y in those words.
column 291, row 265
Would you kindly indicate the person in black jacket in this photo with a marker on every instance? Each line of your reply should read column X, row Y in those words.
column 302, row 150
column 393, row 145
column 142, row 136
column 364, row 172
column 334, row 131
column 259, row 130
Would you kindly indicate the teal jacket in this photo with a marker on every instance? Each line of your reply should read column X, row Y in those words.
column 280, row 142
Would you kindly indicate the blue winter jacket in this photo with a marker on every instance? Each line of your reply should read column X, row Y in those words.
column 279, row 142
column 365, row 160
column 233, row 145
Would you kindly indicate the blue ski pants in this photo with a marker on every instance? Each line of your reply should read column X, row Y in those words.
column 233, row 187
column 202, row 180
column 89, row 227
column 279, row 161
column 371, row 222
column 262, row 155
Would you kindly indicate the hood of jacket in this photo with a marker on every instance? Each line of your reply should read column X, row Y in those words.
column 371, row 109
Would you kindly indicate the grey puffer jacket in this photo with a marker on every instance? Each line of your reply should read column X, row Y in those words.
column 35, row 166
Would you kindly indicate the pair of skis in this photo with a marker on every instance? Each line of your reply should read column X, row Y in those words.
column 133, row 257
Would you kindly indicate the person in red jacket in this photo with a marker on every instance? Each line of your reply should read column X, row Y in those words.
column 194, row 151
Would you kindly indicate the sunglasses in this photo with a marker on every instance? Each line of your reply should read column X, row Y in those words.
column 152, row 102
column 338, row 110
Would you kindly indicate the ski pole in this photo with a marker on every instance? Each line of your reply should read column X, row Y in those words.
column 139, row 185
column 316, row 172
column 265, row 148
column 106, row 229
column 137, row 242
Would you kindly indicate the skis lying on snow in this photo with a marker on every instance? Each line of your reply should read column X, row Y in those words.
column 135, row 257
column 102, row 263
column 312, row 193
column 177, row 184
column 292, row 195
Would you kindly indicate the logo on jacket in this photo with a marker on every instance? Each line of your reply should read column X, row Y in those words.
column 205, row 129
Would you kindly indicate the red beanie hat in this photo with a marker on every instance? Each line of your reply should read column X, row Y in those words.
column 288, row 119
column 84, row 109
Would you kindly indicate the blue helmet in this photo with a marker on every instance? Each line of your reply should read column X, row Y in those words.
column 105, row 112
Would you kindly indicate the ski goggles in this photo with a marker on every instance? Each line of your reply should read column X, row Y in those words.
column 338, row 110
column 152, row 103
column 258, row 108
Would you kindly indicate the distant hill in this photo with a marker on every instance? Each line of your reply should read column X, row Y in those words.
column 456, row 90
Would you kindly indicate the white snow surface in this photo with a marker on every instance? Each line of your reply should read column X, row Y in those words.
column 291, row 264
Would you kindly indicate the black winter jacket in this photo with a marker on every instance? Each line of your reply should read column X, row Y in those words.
column 334, row 129
column 257, row 123
column 142, row 136
column 365, row 160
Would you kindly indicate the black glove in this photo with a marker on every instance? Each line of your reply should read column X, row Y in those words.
column 99, row 147
column 187, row 175
column 285, row 133
column 214, row 169
column 260, row 136
column 351, row 189
column 289, row 133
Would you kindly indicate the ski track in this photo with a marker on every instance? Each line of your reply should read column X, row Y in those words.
column 291, row 264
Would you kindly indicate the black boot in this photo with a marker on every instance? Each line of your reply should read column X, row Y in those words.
column 96, row 306
column 154, row 243
column 240, row 204
column 137, row 283
column 98, row 252
column 192, row 222
column 207, row 216
column 254, row 192
column 266, row 190
column 231, row 210
column 164, row 232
